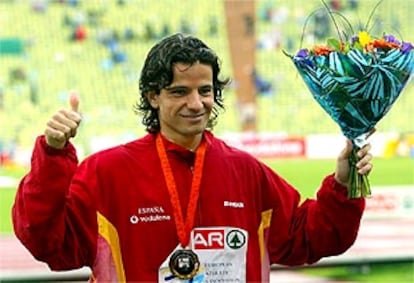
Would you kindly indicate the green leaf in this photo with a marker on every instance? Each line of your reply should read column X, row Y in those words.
column 358, row 46
column 346, row 48
column 334, row 43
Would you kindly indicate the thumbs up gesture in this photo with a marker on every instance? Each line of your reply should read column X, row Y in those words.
column 63, row 124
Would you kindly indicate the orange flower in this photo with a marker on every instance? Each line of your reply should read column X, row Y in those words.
column 369, row 47
column 322, row 50
column 382, row 43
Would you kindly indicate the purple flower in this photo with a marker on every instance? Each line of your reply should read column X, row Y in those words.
column 354, row 39
column 391, row 39
column 303, row 53
column 406, row 47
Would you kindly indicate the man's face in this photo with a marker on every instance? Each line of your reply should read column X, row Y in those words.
column 184, row 107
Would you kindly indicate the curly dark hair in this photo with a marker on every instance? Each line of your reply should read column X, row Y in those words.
column 157, row 73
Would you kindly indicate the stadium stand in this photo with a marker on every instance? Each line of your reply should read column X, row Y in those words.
column 104, row 66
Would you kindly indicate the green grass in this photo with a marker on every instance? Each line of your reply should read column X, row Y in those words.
column 368, row 273
column 6, row 201
column 306, row 174
column 7, row 197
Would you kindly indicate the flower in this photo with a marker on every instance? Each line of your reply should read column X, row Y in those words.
column 362, row 41
column 364, row 38
column 406, row 47
column 356, row 80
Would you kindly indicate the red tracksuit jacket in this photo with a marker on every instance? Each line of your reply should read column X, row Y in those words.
column 112, row 212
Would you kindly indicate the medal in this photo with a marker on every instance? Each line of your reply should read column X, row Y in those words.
column 184, row 264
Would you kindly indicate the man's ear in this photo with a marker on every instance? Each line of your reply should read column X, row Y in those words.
column 153, row 99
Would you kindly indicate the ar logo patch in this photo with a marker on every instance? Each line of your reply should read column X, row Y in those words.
column 205, row 239
column 235, row 239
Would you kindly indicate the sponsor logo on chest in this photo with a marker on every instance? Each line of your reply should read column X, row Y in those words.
column 157, row 214
column 149, row 214
column 217, row 239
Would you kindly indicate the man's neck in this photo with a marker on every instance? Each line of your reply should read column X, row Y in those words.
column 191, row 142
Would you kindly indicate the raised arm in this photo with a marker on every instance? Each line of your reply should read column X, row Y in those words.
column 56, row 227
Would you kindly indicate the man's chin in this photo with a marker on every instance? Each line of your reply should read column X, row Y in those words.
column 194, row 130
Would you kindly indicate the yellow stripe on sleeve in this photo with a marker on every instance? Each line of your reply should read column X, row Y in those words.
column 264, row 224
column 110, row 234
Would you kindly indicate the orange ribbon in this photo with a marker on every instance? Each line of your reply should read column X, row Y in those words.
column 183, row 228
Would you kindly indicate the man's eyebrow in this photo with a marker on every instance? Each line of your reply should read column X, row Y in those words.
column 174, row 87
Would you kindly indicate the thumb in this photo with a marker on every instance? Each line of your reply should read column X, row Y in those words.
column 346, row 152
column 74, row 101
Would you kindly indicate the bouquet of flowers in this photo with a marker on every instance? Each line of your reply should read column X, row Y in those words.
column 356, row 80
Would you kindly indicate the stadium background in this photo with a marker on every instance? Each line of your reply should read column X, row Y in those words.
column 49, row 63
column 49, row 49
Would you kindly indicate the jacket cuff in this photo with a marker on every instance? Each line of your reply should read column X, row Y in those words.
column 69, row 148
column 329, row 183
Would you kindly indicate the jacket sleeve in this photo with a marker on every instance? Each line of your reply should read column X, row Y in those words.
column 56, row 227
column 305, row 232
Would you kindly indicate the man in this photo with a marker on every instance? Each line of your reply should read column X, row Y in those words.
column 177, row 205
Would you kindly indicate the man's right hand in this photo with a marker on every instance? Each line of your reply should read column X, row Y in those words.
column 63, row 124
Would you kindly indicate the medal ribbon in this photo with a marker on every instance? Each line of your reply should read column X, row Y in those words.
column 183, row 228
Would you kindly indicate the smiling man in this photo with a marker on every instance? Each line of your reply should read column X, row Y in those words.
column 184, row 107
column 178, row 204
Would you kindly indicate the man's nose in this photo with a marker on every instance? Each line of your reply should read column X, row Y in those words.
column 194, row 100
